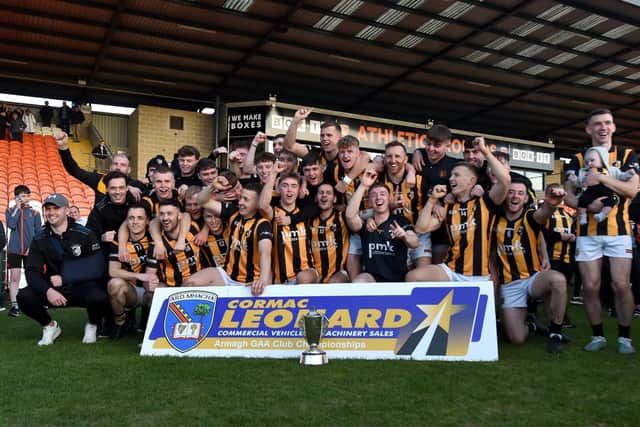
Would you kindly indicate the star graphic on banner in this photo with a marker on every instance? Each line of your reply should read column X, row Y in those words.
column 446, row 306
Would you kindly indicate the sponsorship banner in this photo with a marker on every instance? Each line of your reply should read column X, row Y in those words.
column 245, row 122
column 418, row 321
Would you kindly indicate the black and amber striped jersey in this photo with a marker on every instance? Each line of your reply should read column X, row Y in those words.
column 334, row 174
column 178, row 266
column 617, row 221
column 467, row 225
column 151, row 200
column 242, row 263
column 559, row 222
column 291, row 246
column 517, row 244
column 141, row 253
column 329, row 239
column 213, row 252
column 410, row 196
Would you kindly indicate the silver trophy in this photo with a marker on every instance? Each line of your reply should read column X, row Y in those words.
column 313, row 325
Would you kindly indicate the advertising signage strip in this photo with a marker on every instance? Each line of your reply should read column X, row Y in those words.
column 417, row 321
column 245, row 121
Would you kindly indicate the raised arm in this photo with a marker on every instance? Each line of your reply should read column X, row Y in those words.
column 498, row 192
column 426, row 222
column 249, row 165
column 290, row 142
column 264, row 201
column 553, row 197
column 353, row 207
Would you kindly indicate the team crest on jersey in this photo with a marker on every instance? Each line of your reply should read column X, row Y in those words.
column 76, row 250
column 189, row 318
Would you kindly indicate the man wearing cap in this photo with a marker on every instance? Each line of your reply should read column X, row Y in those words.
column 63, row 270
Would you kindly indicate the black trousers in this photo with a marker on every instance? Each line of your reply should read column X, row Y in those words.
column 89, row 295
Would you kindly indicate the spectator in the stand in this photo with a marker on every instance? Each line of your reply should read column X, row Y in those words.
column 74, row 213
column 76, row 118
column 4, row 124
column 16, row 127
column 64, row 117
column 101, row 151
column 62, row 270
column 24, row 222
column 188, row 157
column 119, row 162
column 46, row 114
column 29, row 120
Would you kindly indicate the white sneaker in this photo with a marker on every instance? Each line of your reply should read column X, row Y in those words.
column 90, row 333
column 49, row 334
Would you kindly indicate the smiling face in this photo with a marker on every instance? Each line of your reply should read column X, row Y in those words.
column 55, row 216
column 288, row 190
column 263, row 170
column 601, row 129
column 169, row 218
column 329, row 137
column 187, row 165
column 312, row 174
column 395, row 160
column 248, row 203
column 207, row 176
column 348, row 156
column 461, row 181
column 326, row 197
column 379, row 199
column 117, row 190
column 436, row 150
column 213, row 222
column 517, row 196
column 164, row 185
column 137, row 221
column 192, row 207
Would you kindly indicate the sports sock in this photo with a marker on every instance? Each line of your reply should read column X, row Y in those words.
column 120, row 318
column 598, row 330
column 624, row 331
column 555, row 328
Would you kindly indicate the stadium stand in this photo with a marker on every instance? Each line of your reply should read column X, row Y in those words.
column 36, row 163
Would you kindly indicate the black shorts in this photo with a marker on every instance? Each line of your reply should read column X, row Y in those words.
column 15, row 260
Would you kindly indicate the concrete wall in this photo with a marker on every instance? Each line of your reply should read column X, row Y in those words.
column 149, row 134
column 113, row 129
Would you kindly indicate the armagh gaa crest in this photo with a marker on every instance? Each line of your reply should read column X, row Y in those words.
column 189, row 318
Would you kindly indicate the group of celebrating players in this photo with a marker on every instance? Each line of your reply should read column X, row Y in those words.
column 304, row 214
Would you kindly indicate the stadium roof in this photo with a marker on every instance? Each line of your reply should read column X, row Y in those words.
column 518, row 68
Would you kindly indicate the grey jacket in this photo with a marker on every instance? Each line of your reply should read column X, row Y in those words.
column 23, row 224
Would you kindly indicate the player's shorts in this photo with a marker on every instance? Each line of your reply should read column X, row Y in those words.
column 15, row 260
column 457, row 277
column 355, row 245
column 139, row 293
column 515, row 294
column 423, row 249
column 591, row 248
column 228, row 281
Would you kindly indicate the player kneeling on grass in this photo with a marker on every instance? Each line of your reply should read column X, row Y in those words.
column 127, row 283
column 248, row 259
column 516, row 234
column 384, row 257
column 63, row 269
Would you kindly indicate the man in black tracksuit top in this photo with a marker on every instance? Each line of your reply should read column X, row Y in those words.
column 63, row 270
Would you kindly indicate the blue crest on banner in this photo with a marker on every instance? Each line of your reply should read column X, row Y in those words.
column 189, row 318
